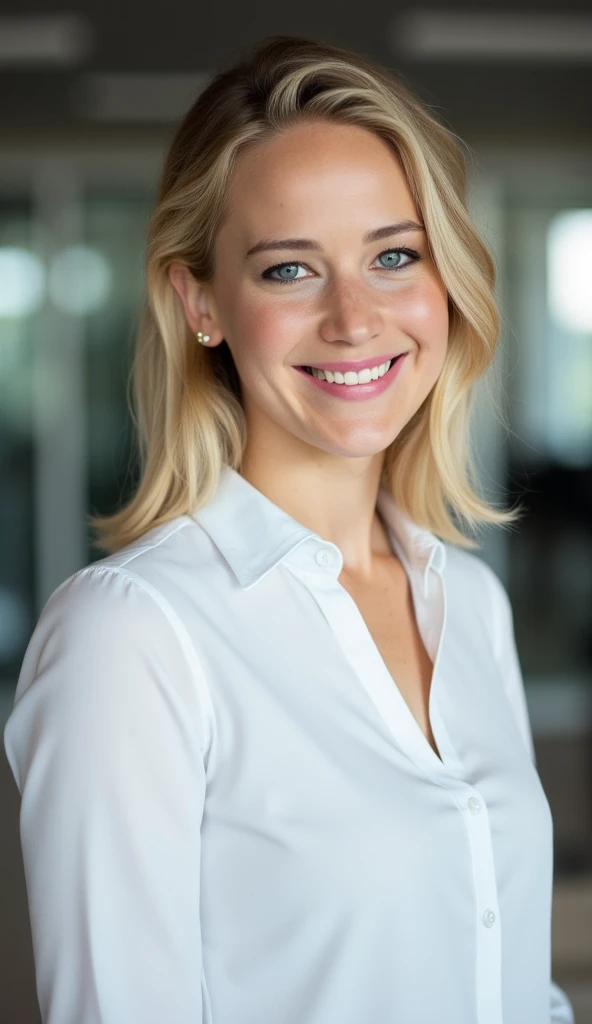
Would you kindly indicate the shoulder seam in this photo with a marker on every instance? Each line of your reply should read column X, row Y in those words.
column 150, row 547
column 186, row 644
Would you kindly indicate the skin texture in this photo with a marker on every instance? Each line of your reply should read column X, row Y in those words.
column 316, row 456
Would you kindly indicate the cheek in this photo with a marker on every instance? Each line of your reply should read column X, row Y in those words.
column 424, row 315
column 267, row 329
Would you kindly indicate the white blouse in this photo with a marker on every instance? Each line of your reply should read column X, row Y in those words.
column 231, row 816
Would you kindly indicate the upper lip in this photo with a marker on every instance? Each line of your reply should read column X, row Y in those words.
column 356, row 366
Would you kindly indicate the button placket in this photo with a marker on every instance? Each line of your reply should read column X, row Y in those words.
column 488, row 961
column 347, row 625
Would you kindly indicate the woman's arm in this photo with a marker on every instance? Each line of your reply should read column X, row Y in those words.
column 560, row 1008
column 105, row 743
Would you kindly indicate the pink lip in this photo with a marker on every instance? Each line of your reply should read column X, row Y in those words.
column 353, row 392
column 356, row 365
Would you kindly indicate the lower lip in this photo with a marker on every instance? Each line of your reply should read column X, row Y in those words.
column 353, row 392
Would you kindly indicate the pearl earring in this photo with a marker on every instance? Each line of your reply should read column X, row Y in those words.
column 202, row 338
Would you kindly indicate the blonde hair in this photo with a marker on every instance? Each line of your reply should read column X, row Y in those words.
column 188, row 413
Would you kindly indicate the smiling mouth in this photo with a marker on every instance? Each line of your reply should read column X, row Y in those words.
column 390, row 362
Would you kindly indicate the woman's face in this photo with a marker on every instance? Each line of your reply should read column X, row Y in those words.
column 358, row 284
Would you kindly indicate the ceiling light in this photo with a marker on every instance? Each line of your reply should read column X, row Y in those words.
column 427, row 35
column 55, row 40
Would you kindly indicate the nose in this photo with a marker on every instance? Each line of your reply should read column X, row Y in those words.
column 351, row 313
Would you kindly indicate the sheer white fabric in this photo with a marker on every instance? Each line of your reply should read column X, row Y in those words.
column 229, row 813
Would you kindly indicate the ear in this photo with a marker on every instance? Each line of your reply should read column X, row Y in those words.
column 197, row 303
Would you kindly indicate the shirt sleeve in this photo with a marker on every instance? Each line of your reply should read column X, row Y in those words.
column 560, row 1007
column 106, row 744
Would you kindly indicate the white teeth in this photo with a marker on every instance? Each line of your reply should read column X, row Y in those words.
column 350, row 377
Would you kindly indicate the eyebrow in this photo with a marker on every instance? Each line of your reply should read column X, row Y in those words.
column 307, row 243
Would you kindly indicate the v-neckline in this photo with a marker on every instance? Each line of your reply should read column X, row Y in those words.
column 390, row 683
column 349, row 627
column 358, row 592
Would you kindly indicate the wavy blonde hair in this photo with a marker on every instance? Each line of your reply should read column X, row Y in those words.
column 187, row 407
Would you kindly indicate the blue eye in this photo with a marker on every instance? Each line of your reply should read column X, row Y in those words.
column 389, row 254
column 281, row 267
column 291, row 269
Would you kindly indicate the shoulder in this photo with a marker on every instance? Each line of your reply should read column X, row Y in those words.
column 158, row 546
column 473, row 583
column 121, row 591
column 111, row 687
column 468, row 570
column 112, row 619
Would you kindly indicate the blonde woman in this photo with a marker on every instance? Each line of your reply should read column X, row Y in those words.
column 273, row 747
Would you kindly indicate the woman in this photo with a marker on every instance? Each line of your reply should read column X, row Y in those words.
column 273, row 748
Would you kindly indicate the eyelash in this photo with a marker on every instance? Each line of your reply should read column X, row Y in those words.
column 292, row 263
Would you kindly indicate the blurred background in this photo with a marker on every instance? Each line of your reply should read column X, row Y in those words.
column 88, row 102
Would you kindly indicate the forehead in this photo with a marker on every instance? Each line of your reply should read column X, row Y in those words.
column 316, row 170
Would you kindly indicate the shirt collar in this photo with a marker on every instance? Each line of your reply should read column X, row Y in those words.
column 254, row 535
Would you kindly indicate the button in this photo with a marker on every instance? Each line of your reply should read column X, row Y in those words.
column 488, row 918
column 324, row 557
column 474, row 805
